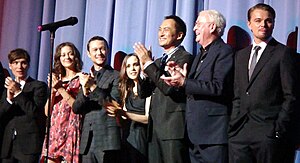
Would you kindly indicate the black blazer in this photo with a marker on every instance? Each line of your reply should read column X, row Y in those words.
column 2, row 78
column 25, row 116
column 209, row 95
column 106, row 133
column 168, row 104
column 269, row 98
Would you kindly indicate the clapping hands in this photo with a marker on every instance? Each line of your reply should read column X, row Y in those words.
column 178, row 74
column 13, row 87
column 87, row 83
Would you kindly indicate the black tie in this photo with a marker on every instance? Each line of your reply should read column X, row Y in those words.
column 164, row 59
column 163, row 62
column 253, row 61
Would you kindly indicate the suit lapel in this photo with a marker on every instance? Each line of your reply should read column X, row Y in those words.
column 27, row 84
column 103, row 78
column 244, row 67
column 211, row 55
column 176, row 54
column 265, row 57
column 194, row 65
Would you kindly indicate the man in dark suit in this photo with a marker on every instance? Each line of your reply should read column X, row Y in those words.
column 265, row 94
column 100, row 138
column 21, row 112
column 167, row 108
column 2, row 78
column 209, row 90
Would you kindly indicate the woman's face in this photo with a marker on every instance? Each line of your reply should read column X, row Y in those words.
column 67, row 57
column 133, row 67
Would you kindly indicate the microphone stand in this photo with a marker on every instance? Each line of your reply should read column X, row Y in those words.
column 48, row 122
column 52, row 27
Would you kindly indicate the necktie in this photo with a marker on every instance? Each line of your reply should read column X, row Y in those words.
column 163, row 62
column 253, row 61
column 164, row 59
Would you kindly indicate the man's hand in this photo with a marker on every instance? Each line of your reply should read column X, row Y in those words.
column 172, row 66
column 144, row 54
column 87, row 83
column 12, row 86
column 9, row 95
column 178, row 74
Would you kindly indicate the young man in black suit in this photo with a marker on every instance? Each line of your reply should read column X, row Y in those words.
column 1, row 80
column 265, row 95
column 100, row 138
column 22, row 112
column 209, row 90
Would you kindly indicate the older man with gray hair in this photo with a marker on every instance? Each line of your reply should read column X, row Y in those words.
column 209, row 90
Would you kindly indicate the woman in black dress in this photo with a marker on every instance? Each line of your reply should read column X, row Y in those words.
column 134, row 107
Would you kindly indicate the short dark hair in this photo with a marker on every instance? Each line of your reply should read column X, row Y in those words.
column 18, row 54
column 179, row 24
column 97, row 38
column 264, row 7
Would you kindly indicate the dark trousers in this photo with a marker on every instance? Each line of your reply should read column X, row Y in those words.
column 251, row 145
column 17, row 156
column 208, row 153
column 131, row 155
column 98, row 155
column 112, row 156
column 167, row 151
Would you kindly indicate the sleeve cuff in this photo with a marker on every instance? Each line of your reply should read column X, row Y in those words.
column 147, row 64
column 9, row 101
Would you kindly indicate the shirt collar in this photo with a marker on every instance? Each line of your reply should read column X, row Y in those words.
column 262, row 44
column 172, row 51
column 208, row 46
column 95, row 73
column 23, row 82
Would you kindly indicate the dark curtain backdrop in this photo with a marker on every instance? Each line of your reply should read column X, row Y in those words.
column 121, row 22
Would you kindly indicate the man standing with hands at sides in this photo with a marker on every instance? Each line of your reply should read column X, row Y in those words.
column 264, row 95
column 209, row 90
column 100, row 138
column 21, row 109
column 167, row 111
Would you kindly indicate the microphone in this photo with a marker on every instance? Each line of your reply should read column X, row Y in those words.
column 55, row 25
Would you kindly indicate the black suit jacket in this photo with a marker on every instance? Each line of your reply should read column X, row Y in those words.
column 168, row 104
column 25, row 116
column 106, row 133
column 2, row 78
column 269, row 98
column 209, row 95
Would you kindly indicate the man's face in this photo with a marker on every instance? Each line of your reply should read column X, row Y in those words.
column 167, row 34
column 19, row 68
column 202, row 29
column 261, row 24
column 98, row 52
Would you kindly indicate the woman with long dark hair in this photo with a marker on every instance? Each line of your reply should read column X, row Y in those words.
column 64, row 135
column 134, row 107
